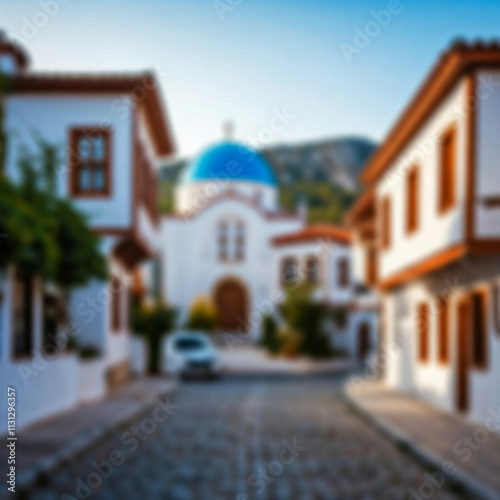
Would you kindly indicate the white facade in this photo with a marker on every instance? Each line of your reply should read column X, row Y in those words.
column 191, row 264
column 440, row 308
column 51, row 108
column 334, row 290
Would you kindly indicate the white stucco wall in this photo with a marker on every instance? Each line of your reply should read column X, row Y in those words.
column 48, row 116
column 487, row 219
column 433, row 381
column 436, row 231
column 191, row 266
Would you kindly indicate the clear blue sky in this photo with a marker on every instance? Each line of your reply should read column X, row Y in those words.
column 264, row 55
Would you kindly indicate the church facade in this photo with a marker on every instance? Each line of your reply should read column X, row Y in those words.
column 229, row 240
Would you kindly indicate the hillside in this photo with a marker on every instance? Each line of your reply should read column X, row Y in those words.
column 322, row 174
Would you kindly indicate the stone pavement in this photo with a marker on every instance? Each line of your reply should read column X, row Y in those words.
column 246, row 437
column 43, row 446
column 251, row 359
column 434, row 436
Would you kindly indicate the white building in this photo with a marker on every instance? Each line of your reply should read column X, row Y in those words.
column 230, row 241
column 429, row 223
column 112, row 130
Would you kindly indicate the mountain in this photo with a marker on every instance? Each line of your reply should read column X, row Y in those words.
column 322, row 174
column 336, row 161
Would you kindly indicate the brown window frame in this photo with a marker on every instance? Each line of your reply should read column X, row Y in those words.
column 444, row 331
column 385, row 222
column 412, row 200
column 343, row 272
column 371, row 266
column 479, row 330
column 423, row 332
column 75, row 162
column 447, row 182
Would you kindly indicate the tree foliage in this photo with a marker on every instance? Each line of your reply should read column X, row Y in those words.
column 305, row 316
column 44, row 234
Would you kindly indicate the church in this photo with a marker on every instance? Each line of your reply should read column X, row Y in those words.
column 230, row 241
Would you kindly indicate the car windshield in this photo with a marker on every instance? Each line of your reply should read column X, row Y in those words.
column 189, row 344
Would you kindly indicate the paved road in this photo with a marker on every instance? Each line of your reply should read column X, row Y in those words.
column 281, row 438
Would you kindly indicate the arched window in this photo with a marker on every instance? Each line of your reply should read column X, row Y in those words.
column 231, row 241
column 312, row 269
column 223, row 243
column 288, row 270
column 240, row 242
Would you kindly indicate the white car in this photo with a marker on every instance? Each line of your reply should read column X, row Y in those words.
column 191, row 355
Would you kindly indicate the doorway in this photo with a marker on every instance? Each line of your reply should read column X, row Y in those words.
column 363, row 340
column 231, row 303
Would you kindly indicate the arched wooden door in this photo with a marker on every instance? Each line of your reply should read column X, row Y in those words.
column 231, row 304
column 363, row 340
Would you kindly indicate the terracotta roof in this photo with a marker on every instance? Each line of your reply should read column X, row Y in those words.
column 142, row 86
column 458, row 61
column 313, row 233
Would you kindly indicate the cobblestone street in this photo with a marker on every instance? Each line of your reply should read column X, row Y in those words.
column 247, row 438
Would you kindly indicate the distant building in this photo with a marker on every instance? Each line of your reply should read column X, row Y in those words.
column 112, row 130
column 229, row 240
column 427, row 232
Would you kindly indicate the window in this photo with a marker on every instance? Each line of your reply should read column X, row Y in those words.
column 90, row 169
column 231, row 241
column 412, row 205
column 223, row 242
column 479, row 343
column 343, row 272
column 117, row 288
column 447, row 167
column 443, row 331
column 240, row 242
column 371, row 266
column 288, row 270
column 312, row 270
column 423, row 332
column 23, row 314
column 385, row 221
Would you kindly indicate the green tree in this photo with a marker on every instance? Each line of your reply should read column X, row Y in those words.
column 305, row 316
column 153, row 323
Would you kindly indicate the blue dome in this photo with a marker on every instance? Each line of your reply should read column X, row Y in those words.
column 231, row 161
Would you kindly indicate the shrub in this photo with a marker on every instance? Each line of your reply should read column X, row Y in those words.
column 202, row 314
column 306, row 317
column 290, row 341
column 270, row 339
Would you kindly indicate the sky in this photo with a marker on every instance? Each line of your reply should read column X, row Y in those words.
column 282, row 71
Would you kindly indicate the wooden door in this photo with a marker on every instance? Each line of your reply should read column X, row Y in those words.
column 230, row 300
